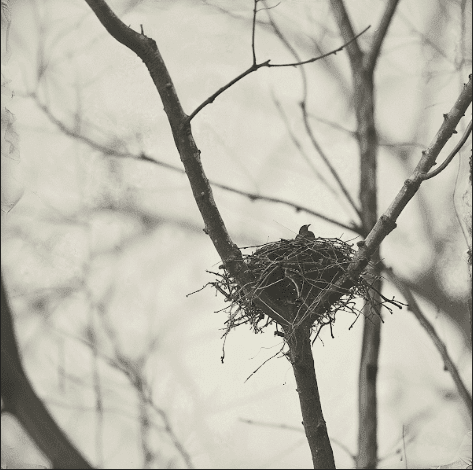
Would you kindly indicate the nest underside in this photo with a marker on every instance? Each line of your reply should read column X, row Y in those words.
column 295, row 273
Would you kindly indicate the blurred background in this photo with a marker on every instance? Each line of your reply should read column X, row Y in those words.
column 101, row 250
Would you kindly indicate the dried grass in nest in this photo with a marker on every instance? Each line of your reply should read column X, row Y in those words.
column 295, row 273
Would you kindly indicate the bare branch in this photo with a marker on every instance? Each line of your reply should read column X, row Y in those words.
column 314, row 59
column 301, row 150
column 20, row 399
column 326, row 160
column 367, row 138
column 148, row 51
column 267, row 63
column 452, row 154
column 430, row 330
column 253, row 30
column 299, row 349
column 297, row 207
column 211, row 98
column 387, row 222
column 380, row 34
column 341, row 15
column 109, row 151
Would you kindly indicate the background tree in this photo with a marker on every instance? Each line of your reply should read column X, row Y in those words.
column 113, row 198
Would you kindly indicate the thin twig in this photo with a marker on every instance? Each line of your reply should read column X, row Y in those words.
column 253, row 30
column 327, row 162
column 143, row 157
column 301, row 150
column 133, row 371
column 289, row 47
column 287, row 44
column 452, row 154
column 334, row 52
column 254, row 67
column 430, row 330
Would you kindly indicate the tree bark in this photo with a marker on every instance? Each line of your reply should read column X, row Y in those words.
column 300, row 355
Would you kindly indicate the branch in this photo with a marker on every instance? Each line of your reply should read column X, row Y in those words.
column 143, row 157
column 254, row 67
column 315, row 144
column 229, row 253
column 327, row 161
column 133, row 372
column 334, row 52
column 387, row 222
column 299, row 347
column 299, row 208
column 364, row 104
column 21, row 401
column 452, row 154
column 354, row 52
column 428, row 327
column 300, row 355
column 253, row 30
column 380, row 34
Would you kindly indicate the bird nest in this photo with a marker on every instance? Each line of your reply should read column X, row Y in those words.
column 296, row 274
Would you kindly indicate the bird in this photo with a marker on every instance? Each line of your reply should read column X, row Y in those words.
column 304, row 232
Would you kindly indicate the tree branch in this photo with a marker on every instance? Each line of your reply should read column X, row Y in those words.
column 148, row 51
column 364, row 104
column 20, row 400
column 231, row 256
column 325, row 159
column 450, row 157
column 109, row 151
column 373, row 54
column 254, row 67
column 355, row 54
column 430, row 330
column 300, row 355
column 387, row 222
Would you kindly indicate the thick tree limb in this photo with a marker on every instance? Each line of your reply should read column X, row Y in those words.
column 20, row 400
column 300, row 354
column 148, row 51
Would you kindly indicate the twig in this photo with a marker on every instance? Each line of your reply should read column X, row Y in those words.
column 133, row 371
column 314, row 59
column 143, row 157
column 253, row 30
column 286, row 427
column 254, row 67
column 294, row 139
column 326, row 160
column 297, row 207
column 289, row 47
column 452, row 154
column 286, row 43
column 147, row 49
column 301, row 150
column 430, row 330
